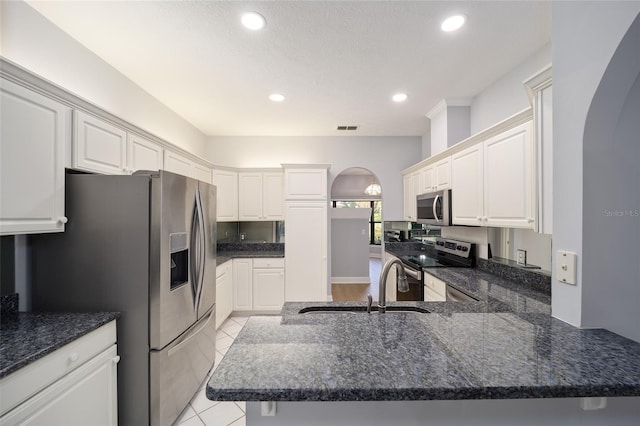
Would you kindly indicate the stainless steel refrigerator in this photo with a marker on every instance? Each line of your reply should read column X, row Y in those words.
column 143, row 245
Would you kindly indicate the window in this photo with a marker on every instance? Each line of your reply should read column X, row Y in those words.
column 375, row 221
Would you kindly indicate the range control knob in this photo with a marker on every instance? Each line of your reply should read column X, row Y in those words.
column 463, row 248
column 440, row 243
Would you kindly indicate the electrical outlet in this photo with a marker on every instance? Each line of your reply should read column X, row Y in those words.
column 521, row 257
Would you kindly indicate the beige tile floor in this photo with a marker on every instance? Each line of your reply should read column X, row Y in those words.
column 203, row 412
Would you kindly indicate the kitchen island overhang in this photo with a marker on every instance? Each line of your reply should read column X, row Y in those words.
column 412, row 356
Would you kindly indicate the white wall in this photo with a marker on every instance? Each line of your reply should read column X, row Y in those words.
column 350, row 246
column 585, row 37
column 507, row 95
column 31, row 41
column 439, row 132
column 611, row 212
column 426, row 145
column 385, row 157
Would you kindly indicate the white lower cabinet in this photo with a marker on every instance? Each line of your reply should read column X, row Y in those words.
column 435, row 290
column 258, row 284
column 75, row 385
column 224, row 292
column 268, row 284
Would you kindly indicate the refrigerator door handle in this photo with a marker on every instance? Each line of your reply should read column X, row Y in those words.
column 202, row 249
column 194, row 256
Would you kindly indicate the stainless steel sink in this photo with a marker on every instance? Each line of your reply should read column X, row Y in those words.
column 360, row 310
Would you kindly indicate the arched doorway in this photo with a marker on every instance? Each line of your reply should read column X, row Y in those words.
column 356, row 234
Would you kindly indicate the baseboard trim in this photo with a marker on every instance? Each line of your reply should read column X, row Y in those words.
column 350, row 280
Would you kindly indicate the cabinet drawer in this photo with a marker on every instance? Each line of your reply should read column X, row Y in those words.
column 29, row 380
column 268, row 262
column 224, row 268
column 435, row 284
column 433, row 296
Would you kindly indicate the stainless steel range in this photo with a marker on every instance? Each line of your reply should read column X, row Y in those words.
column 448, row 253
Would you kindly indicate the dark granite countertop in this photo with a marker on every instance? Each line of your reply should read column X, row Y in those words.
column 228, row 251
column 435, row 356
column 28, row 336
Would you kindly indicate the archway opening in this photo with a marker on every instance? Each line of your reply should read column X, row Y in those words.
column 356, row 234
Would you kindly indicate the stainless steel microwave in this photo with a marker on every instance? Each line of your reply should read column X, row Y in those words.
column 434, row 208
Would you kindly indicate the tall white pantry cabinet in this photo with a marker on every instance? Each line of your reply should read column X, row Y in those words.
column 306, row 219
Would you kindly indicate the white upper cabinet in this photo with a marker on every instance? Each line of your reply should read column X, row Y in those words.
column 202, row 173
column 508, row 179
column 98, row 146
column 142, row 154
column 250, row 196
column 467, row 187
column 179, row 164
column 412, row 188
column 176, row 163
column 442, row 172
column 34, row 131
column 428, row 179
column 261, row 196
column 305, row 183
column 273, row 195
column 540, row 90
column 436, row 176
column 493, row 181
column 226, row 183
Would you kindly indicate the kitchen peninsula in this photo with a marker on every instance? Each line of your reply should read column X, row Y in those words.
column 462, row 363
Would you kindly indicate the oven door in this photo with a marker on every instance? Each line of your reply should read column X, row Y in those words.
column 414, row 278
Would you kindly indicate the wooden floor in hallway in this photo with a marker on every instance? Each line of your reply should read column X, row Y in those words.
column 358, row 292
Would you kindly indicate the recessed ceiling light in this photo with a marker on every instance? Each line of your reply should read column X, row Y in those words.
column 453, row 23
column 399, row 97
column 254, row 21
column 276, row 97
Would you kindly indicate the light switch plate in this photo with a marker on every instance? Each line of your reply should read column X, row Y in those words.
column 522, row 257
column 566, row 267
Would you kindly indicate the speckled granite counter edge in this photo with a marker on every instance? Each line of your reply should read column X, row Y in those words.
column 508, row 392
column 29, row 336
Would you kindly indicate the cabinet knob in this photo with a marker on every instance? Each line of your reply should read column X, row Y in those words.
column 530, row 220
column 62, row 220
column 116, row 359
column 74, row 357
column 479, row 218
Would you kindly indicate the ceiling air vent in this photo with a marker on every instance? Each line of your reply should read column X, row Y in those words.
column 347, row 128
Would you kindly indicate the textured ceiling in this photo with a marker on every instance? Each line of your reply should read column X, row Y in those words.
column 337, row 62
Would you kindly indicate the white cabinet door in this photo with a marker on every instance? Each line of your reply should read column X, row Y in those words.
column 250, row 196
column 268, row 289
column 202, row 173
column 260, row 196
column 273, row 195
column 242, row 284
column 442, row 172
column 467, row 186
column 412, row 187
column 428, row 179
column 508, row 179
column 34, row 131
column 142, row 154
column 98, row 146
column 306, row 252
column 86, row 396
column 224, row 292
column 305, row 183
column 435, row 290
column 176, row 163
column 226, row 183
